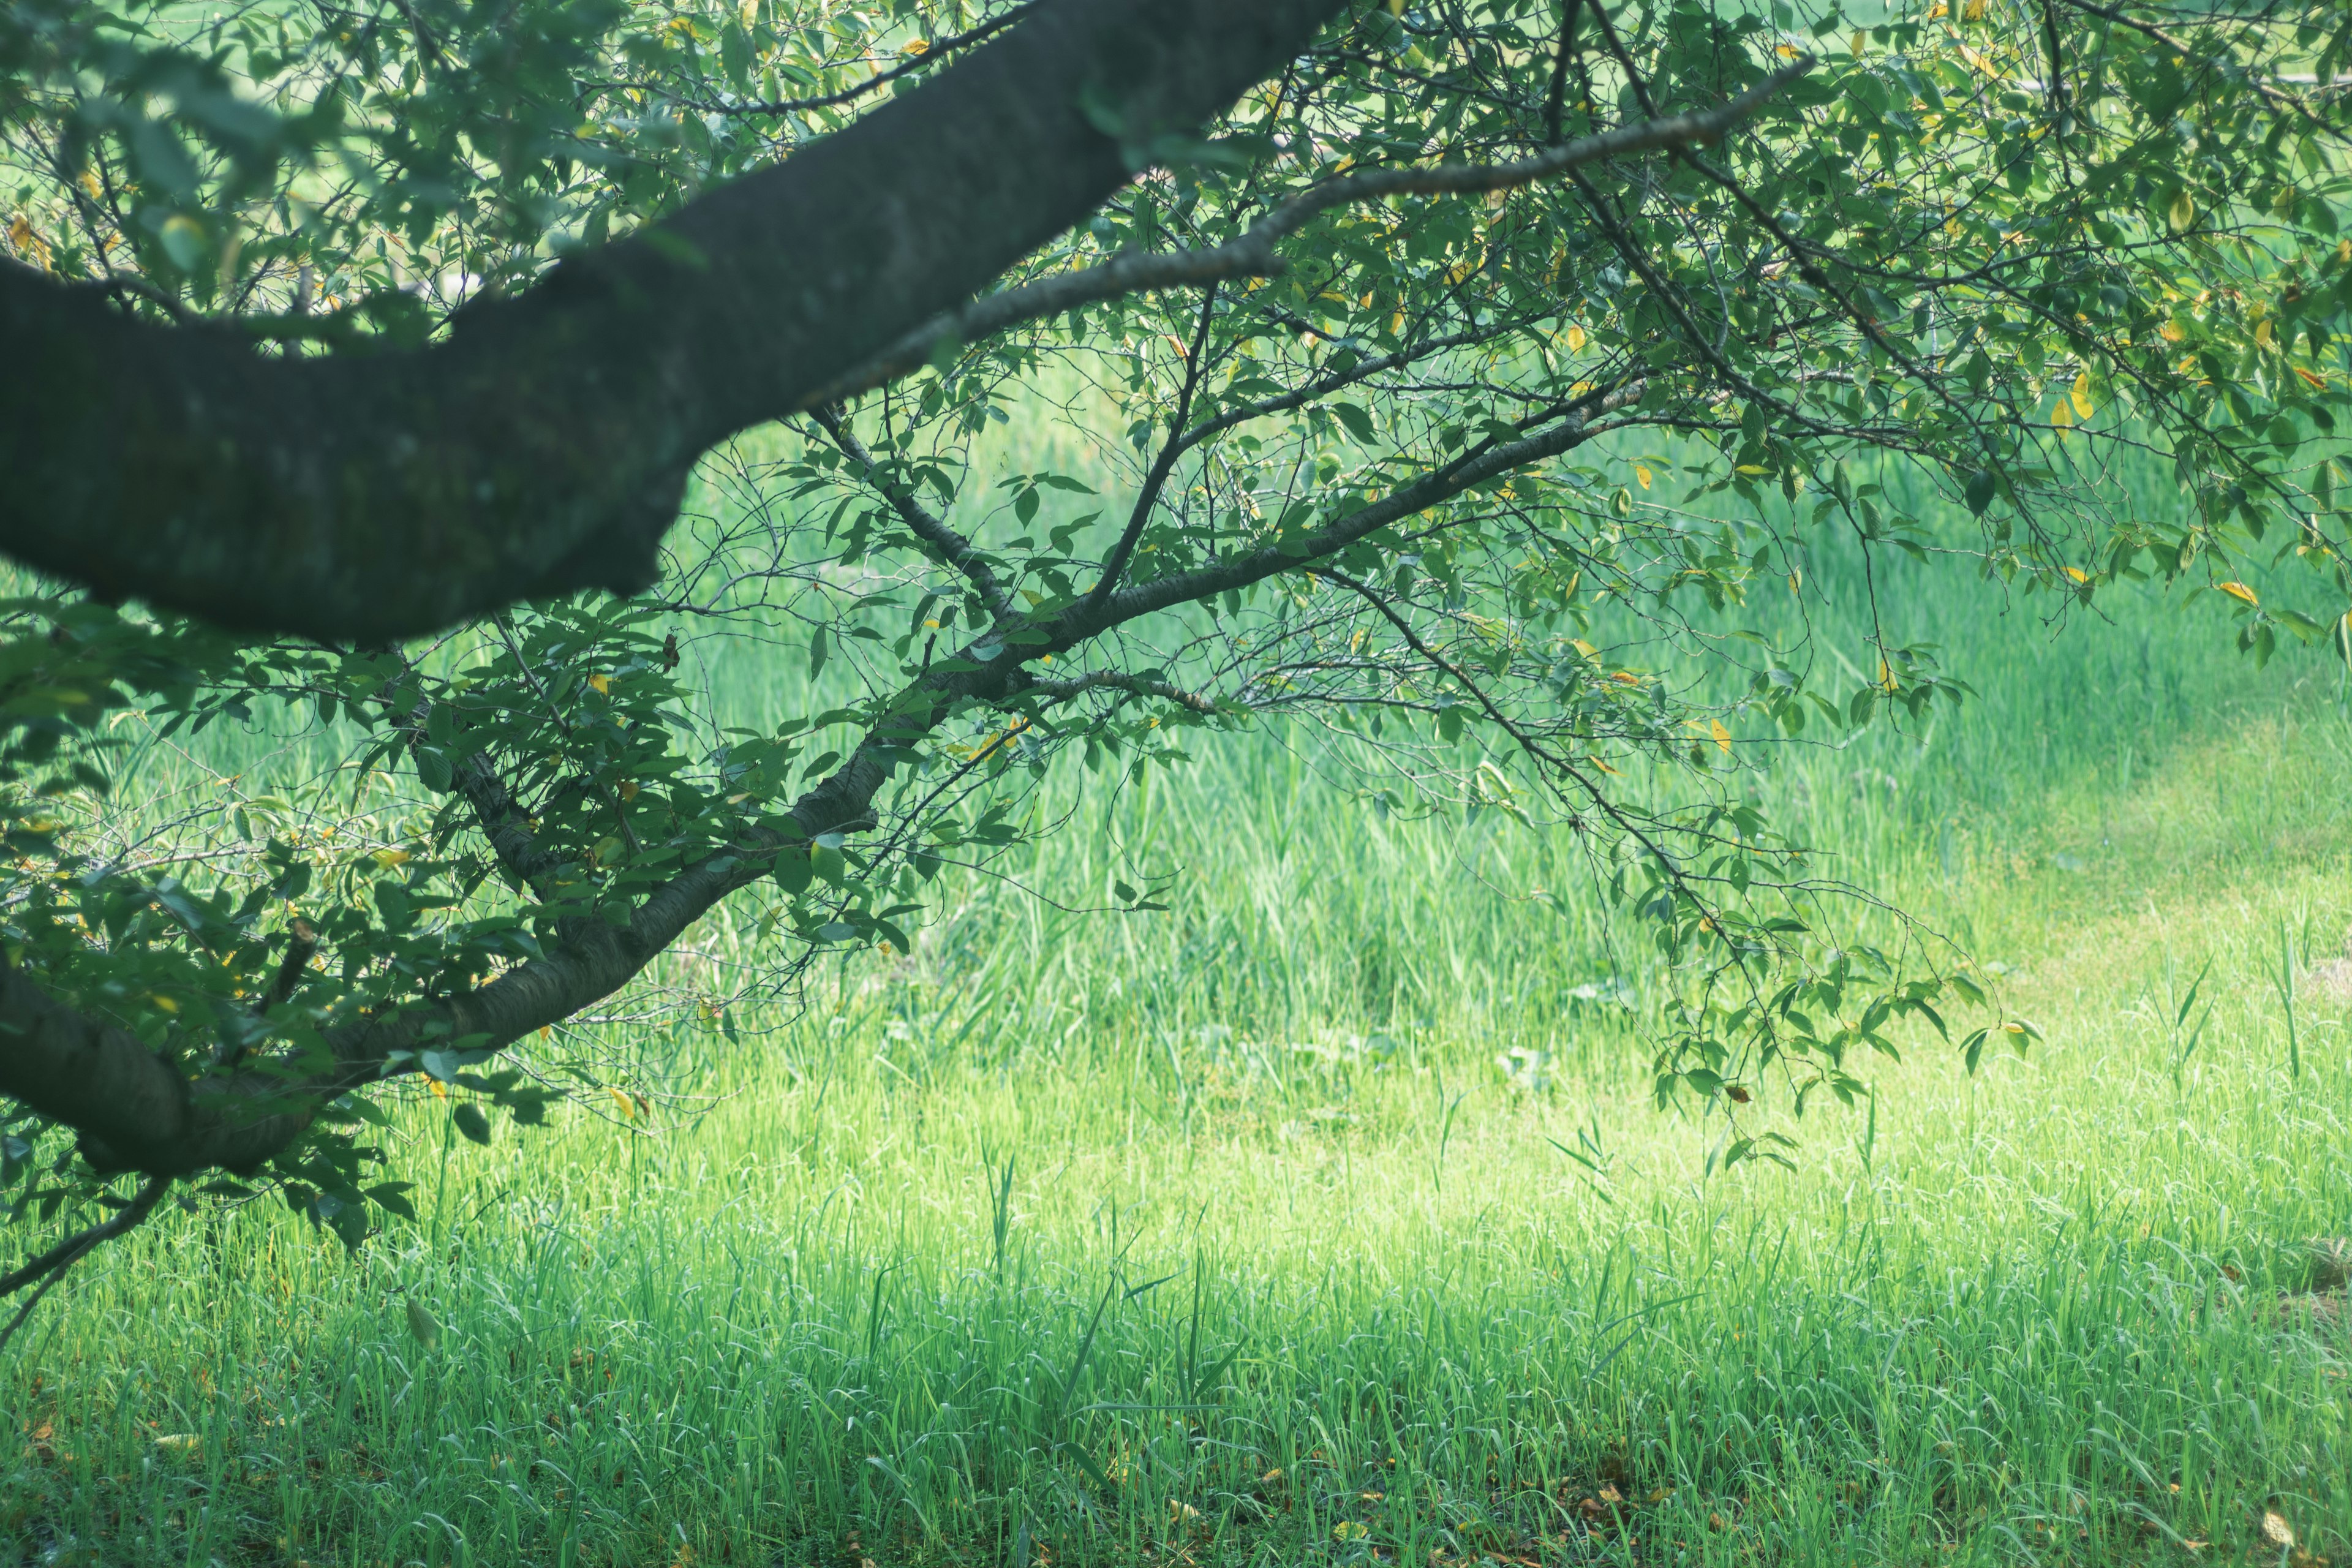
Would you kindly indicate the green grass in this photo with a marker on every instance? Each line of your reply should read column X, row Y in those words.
column 1221, row 1235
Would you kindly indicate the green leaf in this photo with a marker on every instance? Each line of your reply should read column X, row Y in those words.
column 422, row 1325
column 472, row 1122
column 433, row 770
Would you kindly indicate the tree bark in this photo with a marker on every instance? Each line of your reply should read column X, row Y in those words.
column 542, row 448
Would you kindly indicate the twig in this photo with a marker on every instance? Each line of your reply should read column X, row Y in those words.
column 1062, row 691
column 1252, row 253
column 929, row 55
column 1163, row 465
column 2174, row 41
column 50, row 1266
column 952, row 547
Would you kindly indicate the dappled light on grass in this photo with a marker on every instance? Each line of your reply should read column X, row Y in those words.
column 1004, row 1251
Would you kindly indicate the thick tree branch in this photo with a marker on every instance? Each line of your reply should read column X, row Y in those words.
column 136, row 1108
column 545, row 446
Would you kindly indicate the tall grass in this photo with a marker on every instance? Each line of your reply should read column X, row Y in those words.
column 1325, row 1217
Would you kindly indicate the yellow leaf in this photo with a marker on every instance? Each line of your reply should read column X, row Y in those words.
column 628, row 1108
column 629, row 790
column 440, row 1090
column 1642, row 472
column 1722, row 735
column 603, row 683
column 1396, row 324
column 390, row 858
column 2080, row 396
column 919, row 47
column 1580, row 646
column 1604, row 767
column 27, row 244
column 1975, row 13
column 2173, row 333
column 1575, row 339
column 2077, row 574
column 2182, row 214
column 165, row 1003
column 2265, row 335
column 2239, row 591
column 2318, row 383
column 2063, row 416
column 1860, row 42
column 1886, row 681
column 1752, row 469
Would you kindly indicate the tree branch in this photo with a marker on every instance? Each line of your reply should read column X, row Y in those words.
column 545, row 446
column 1251, row 254
column 952, row 548
column 1472, row 468
column 1117, row 681
column 50, row 1266
column 928, row 56
column 1148, row 496
column 2285, row 103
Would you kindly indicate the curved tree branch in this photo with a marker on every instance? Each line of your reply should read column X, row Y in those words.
column 545, row 446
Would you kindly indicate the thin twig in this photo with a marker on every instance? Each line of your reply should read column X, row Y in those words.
column 1154, row 482
column 929, row 55
column 1252, row 253
column 50, row 1266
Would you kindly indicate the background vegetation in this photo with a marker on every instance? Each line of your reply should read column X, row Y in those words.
column 1324, row 1216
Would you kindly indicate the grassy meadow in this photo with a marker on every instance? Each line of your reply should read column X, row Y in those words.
column 1326, row 1218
